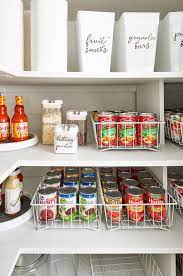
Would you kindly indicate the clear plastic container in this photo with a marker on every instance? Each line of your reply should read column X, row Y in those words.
column 32, row 265
column 65, row 265
column 51, row 117
column 79, row 118
column 66, row 138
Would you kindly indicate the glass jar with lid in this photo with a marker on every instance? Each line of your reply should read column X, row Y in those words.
column 66, row 138
column 79, row 118
column 51, row 116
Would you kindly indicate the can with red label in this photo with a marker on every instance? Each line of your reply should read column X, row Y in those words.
column 143, row 174
column 106, row 171
column 108, row 178
column 125, row 184
column 47, row 201
column 173, row 178
column 135, row 199
column 106, row 129
column 135, row 170
column 113, row 201
column 156, row 199
column 122, row 176
column 148, row 129
column 179, row 186
column 127, row 129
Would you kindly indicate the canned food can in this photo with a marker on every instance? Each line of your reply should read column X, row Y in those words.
column 52, row 182
column 123, row 169
column 179, row 186
column 146, row 182
column 110, row 186
column 72, row 173
column 176, row 126
column 143, row 174
column 67, row 200
column 156, row 198
column 148, row 130
column 173, row 178
column 109, row 178
column 106, row 172
column 127, row 129
column 47, row 201
column 88, row 172
column 122, row 176
column 113, row 201
column 106, row 129
column 135, row 170
column 54, row 174
column 88, row 201
column 135, row 199
column 95, row 115
column 125, row 184
column 88, row 182
column 71, row 182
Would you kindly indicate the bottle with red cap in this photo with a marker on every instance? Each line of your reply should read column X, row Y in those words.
column 4, row 121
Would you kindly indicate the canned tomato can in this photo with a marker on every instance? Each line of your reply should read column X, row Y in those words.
column 106, row 171
column 148, row 129
column 135, row 199
column 54, row 174
column 110, row 186
column 176, row 126
column 173, row 178
column 179, row 186
column 88, row 172
column 106, row 130
column 109, row 178
column 143, row 174
column 52, row 182
column 67, row 200
column 122, row 176
column 71, row 182
column 145, row 182
column 113, row 200
column 48, row 201
column 125, row 184
column 88, row 203
column 123, row 169
column 156, row 199
column 127, row 129
column 135, row 170
column 88, row 182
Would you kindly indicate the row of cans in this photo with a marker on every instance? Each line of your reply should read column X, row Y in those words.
column 174, row 122
column 132, row 187
column 127, row 129
column 176, row 181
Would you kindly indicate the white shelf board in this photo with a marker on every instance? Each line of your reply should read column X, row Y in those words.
column 27, row 240
column 41, row 155
column 79, row 78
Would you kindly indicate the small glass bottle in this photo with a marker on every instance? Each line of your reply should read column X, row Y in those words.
column 79, row 118
column 19, row 122
column 51, row 116
column 4, row 121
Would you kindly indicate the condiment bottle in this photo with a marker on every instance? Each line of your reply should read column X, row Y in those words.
column 19, row 122
column 21, row 179
column 12, row 195
column 4, row 121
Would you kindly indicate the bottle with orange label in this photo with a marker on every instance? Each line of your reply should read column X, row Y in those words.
column 19, row 122
column 4, row 121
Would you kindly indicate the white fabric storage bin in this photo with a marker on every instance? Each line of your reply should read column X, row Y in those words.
column 136, row 41
column 11, row 34
column 95, row 39
column 170, row 43
column 49, row 35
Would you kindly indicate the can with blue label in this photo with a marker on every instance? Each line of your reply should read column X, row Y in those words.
column 67, row 200
column 88, row 182
column 71, row 182
column 88, row 204
column 88, row 172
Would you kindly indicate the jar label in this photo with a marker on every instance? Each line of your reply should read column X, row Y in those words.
column 20, row 130
column 4, row 130
column 65, row 144
column 12, row 201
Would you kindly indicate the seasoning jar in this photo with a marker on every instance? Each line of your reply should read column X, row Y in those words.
column 79, row 118
column 66, row 138
column 51, row 116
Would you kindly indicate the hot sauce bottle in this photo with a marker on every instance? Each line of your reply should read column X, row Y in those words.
column 4, row 121
column 19, row 122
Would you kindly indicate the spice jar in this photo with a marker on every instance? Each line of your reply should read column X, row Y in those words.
column 79, row 118
column 51, row 116
column 66, row 138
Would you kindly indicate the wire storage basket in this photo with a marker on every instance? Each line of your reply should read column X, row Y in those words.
column 177, row 194
column 158, row 214
column 124, row 265
column 127, row 135
column 174, row 131
column 75, row 221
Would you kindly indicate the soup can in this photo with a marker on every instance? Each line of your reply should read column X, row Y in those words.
column 47, row 201
column 52, row 182
column 135, row 170
column 88, row 172
column 88, row 203
column 71, row 182
column 109, row 178
column 143, row 174
column 110, row 186
column 156, row 198
column 106, row 129
column 54, row 174
column 67, row 200
column 88, row 182
column 148, row 129
column 125, row 184
column 135, row 199
column 122, row 176
column 113, row 201
column 106, row 172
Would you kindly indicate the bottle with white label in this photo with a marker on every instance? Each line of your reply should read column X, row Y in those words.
column 12, row 195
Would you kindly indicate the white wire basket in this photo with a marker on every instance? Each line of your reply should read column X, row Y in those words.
column 174, row 131
column 76, row 222
column 136, row 141
column 177, row 196
column 124, row 265
column 164, row 222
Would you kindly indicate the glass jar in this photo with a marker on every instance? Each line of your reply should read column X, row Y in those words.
column 66, row 138
column 51, row 116
column 79, row 118
column 32, row 265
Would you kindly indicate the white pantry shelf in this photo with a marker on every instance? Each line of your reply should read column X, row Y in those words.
column 79, row 78
column 40, row 155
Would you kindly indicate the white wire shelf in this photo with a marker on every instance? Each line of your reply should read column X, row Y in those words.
column 174, row 131
column 177, row 196
column 124, row 265
column 150, row 221
column 135, row 141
